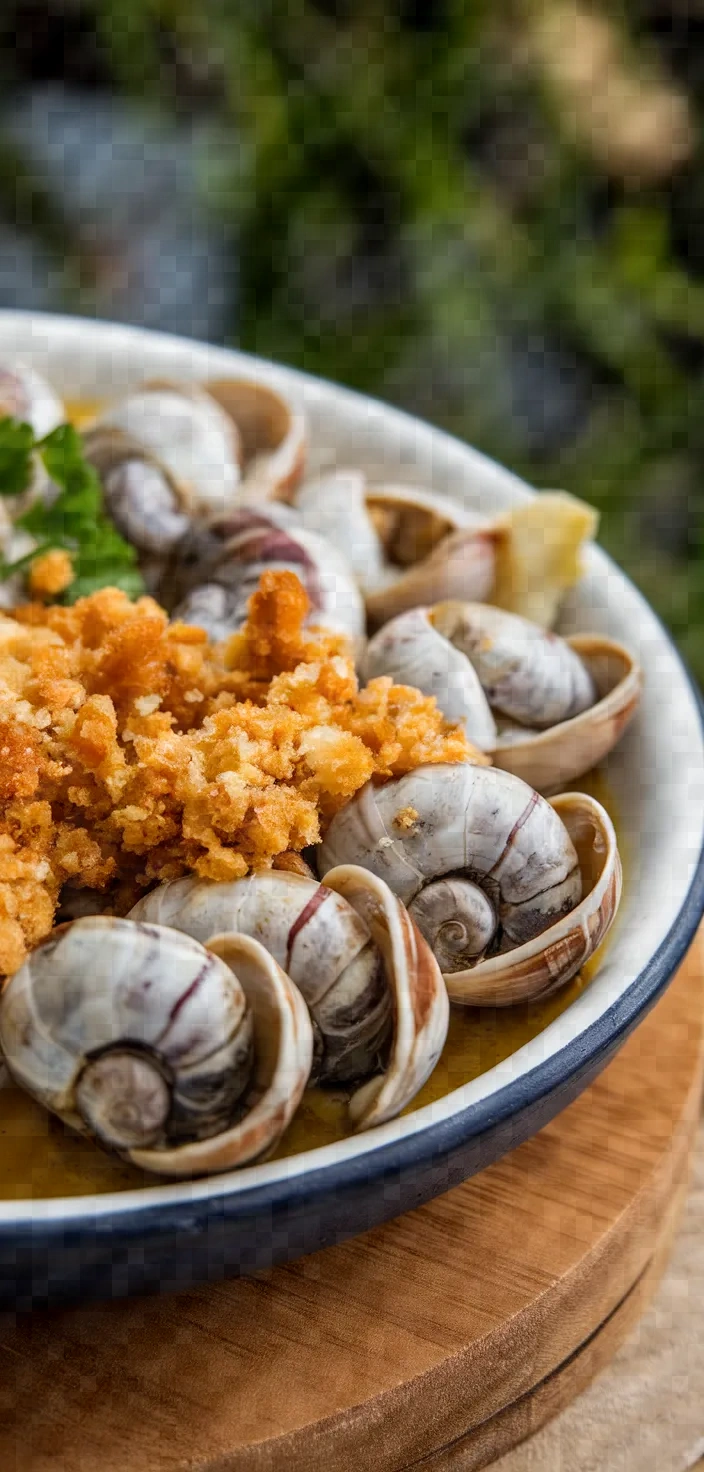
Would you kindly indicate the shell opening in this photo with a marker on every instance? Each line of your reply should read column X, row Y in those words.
column 408, row 533
column 355, row 1019
column 124, row 1097
column 457, row 919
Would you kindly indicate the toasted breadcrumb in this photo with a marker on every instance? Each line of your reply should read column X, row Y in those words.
column 112, row 776
column 50, row 574
column 405, row 819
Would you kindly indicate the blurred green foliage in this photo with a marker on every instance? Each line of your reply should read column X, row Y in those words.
column 492, row 214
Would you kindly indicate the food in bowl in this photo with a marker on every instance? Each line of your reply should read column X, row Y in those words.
column 178, row 778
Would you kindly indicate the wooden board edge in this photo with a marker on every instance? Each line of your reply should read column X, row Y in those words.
column 482, row 1445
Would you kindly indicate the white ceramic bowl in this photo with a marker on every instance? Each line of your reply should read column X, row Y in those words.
column 170, row 1235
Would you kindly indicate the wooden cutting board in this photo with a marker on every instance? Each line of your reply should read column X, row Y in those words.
column 436, row 1341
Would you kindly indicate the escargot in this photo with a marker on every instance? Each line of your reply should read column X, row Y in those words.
column 561, row 704
column 216, row 570
column 189, row 433
column 375, row 994
column 272, row 435
column 489, row 871
column 149, row 505
column 137, row 1035
column 411, row 547
column 217, row 444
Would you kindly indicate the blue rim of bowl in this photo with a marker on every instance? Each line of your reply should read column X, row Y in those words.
column 603, row 1036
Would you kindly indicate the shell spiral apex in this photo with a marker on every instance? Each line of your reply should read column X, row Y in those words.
column 490, row 873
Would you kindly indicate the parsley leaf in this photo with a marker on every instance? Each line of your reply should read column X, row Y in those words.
column 16, row 445
column 75, row 520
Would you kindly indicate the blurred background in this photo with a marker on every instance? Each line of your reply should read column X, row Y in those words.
column 489, row 213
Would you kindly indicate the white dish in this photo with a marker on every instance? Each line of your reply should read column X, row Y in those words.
column 170, row 1235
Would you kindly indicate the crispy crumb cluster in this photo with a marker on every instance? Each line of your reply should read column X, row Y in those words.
column 132, row 750
column 50, row 574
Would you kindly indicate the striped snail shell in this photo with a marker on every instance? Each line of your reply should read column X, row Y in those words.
column 490, row 871
column 375, row 993
column 138, row 1035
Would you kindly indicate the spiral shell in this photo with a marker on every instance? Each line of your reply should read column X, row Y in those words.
column 316, row 938
column 139, row 1036
column 272, row 435
column 146, row 502
column 561, row 704
column 189, row 434
column 541, row 966
column 411, row 547
column 230, row 554
column 442, row 833
column 412, row 651
column 550, row 759
column 462, row 819
column 375, row 993
column 334, row 505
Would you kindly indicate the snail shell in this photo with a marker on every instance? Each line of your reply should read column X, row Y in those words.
column 272, row 435
column 547, row 962
column 139, row 1036
column 230, row 554
column 466, row 820
column 316, row 938
column 550, row 759
column 434, row 548
column 443, row 837
column 531, row 676
column 147, row 504
column 413, row 652
column 334, row 505
column 104, row 998
column 283, row 1052
column 563, row 704
column 420, row 1006
column 374, row 991
column 411, row 547
column 189, row 434
column 25, row 395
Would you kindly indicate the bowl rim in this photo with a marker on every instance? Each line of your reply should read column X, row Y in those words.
column 155, row 1204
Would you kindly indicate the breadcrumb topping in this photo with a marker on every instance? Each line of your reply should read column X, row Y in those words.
column 132, row 750
column 50, row 574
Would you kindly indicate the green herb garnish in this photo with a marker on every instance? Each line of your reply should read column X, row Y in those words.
column 76, row 519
